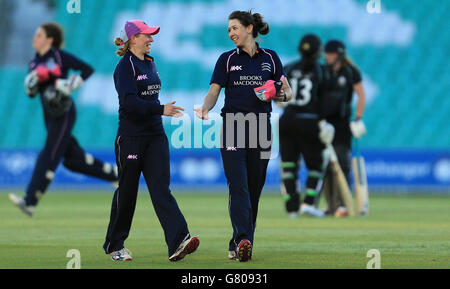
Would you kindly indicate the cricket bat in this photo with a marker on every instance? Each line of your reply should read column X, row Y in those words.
column 341, row 181
column 360, row 180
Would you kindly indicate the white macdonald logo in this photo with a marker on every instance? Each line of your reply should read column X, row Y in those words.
column 251, row 80
column 151, row 90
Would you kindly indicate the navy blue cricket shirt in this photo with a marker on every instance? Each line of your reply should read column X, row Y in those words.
column 240, row 73
column 138, row 84
column 65, row 61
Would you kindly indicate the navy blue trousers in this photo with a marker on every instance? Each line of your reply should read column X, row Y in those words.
column 245, row 169
column 148, row 155
column 60, row 144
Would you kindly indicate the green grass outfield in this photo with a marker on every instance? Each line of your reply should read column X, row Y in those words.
column 409, row 232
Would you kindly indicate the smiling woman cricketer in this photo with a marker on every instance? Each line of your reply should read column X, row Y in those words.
column 141, row 146
column 50, row 76
column 252, row 77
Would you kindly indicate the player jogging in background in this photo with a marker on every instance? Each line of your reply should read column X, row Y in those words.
column 343, row 78
column 49, row 77
column 142, row 147
column 252, row 77
column 303, row 130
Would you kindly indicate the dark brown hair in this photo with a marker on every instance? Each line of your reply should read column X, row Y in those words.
column 347, row 62
column 246, row 18
column 55, row 31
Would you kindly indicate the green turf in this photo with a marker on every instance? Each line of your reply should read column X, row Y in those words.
column 409, row 232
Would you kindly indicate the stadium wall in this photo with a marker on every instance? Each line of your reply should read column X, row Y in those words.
column 201, row 169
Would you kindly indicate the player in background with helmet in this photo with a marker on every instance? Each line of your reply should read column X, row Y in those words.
column 303, row 130
column 343, row 79
column 49, row 77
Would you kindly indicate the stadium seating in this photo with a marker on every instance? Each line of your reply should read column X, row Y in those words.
column 410, row 108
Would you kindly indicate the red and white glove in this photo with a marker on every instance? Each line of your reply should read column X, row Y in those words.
column 44, row 73
column 31, row 83
column 38, row 75
column 269, row 90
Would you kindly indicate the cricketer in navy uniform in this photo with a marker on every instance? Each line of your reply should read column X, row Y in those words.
column 142, row 147
column 48, row 77
column 252, row 77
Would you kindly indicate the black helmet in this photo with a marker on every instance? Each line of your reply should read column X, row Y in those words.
column 309, row 45
column 335, row 46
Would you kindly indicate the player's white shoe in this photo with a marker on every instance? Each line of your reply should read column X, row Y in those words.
column 232, row 255
column 293, row 215
column 341, row 212
column 122, row 255
column 115, row 184
column 311, row 210
column 21, row 204
column 188, row 246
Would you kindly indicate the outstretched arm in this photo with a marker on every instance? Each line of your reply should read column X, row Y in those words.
column 209, row 102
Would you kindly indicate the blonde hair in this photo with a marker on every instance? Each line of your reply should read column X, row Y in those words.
column 123, row 47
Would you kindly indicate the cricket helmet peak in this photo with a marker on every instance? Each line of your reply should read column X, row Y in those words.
column 335, row 46
column 309, row 45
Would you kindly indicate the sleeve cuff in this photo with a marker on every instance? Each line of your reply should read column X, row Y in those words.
column 161, row 110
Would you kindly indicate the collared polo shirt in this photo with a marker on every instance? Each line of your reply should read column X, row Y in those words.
column 138, row 85
column 240, row 73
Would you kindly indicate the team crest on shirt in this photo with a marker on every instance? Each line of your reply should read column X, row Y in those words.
column 342, row 80
column 266, row 66
column 51, row 64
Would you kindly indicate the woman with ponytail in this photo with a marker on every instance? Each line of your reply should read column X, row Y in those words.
column 49, row 78
column 252, row 77
column 344, row 80
column 142, row 147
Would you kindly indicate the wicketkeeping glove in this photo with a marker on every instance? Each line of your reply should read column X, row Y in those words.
column 326, row 132
column 67, row 86
column 31, row 83
column 44, row 73
column 269, row 90
column 358, row 128
column 56, row 102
